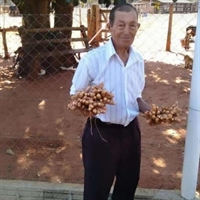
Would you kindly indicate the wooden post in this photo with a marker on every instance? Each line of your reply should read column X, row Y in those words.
column 88, row 18
column 106, row 33
column 98, row 24
column 104, row 22
column 94, row 25
column 6, row 54
column 89, row 23
column 168, row 45
column 84, row 35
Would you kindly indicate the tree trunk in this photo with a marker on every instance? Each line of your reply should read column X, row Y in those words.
column 64, row 18
column 34, row 15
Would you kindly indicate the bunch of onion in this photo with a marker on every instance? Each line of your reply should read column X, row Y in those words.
column 164, row 114
column 92, row 100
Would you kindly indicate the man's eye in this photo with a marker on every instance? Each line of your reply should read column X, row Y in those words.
column 121, row 25
column 133, row 26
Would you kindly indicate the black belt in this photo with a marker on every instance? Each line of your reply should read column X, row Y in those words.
column 99, row 122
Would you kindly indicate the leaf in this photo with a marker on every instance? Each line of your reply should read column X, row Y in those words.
column 75, row 2
column 69, row 1
column 84, row 1
column 119, row 1
column 101, row 1
column 108, row 2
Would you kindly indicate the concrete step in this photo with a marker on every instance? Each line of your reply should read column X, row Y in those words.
column 33, row 190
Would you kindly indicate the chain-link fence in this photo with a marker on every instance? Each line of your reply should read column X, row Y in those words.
column 36, row 129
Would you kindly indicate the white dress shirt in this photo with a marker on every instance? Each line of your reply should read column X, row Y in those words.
column 126, row 83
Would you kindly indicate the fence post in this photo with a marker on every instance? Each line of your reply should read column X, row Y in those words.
column 192, row 143
column 168, row 45
column 94, row 25
column 98, row 25
column 88, row 20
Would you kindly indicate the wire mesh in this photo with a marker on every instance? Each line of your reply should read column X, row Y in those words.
column 36, row 136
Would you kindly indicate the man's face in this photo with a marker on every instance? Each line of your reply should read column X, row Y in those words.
column 124, row 28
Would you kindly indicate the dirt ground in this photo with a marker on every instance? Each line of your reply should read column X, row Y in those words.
column 41, row 140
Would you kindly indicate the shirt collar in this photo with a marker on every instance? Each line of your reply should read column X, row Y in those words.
column 110, row 49
column 133, row 55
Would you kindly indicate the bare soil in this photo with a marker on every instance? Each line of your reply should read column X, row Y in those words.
column 41, row 140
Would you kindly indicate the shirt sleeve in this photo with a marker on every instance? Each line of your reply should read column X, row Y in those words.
column 139, row 95
column 142, row 85
column 81, row 78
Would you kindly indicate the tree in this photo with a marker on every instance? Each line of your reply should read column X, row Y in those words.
column 35, row 15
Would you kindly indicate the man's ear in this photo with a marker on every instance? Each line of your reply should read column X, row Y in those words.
column 138, row 25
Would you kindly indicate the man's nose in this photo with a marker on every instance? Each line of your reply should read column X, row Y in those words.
column 126, row 29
